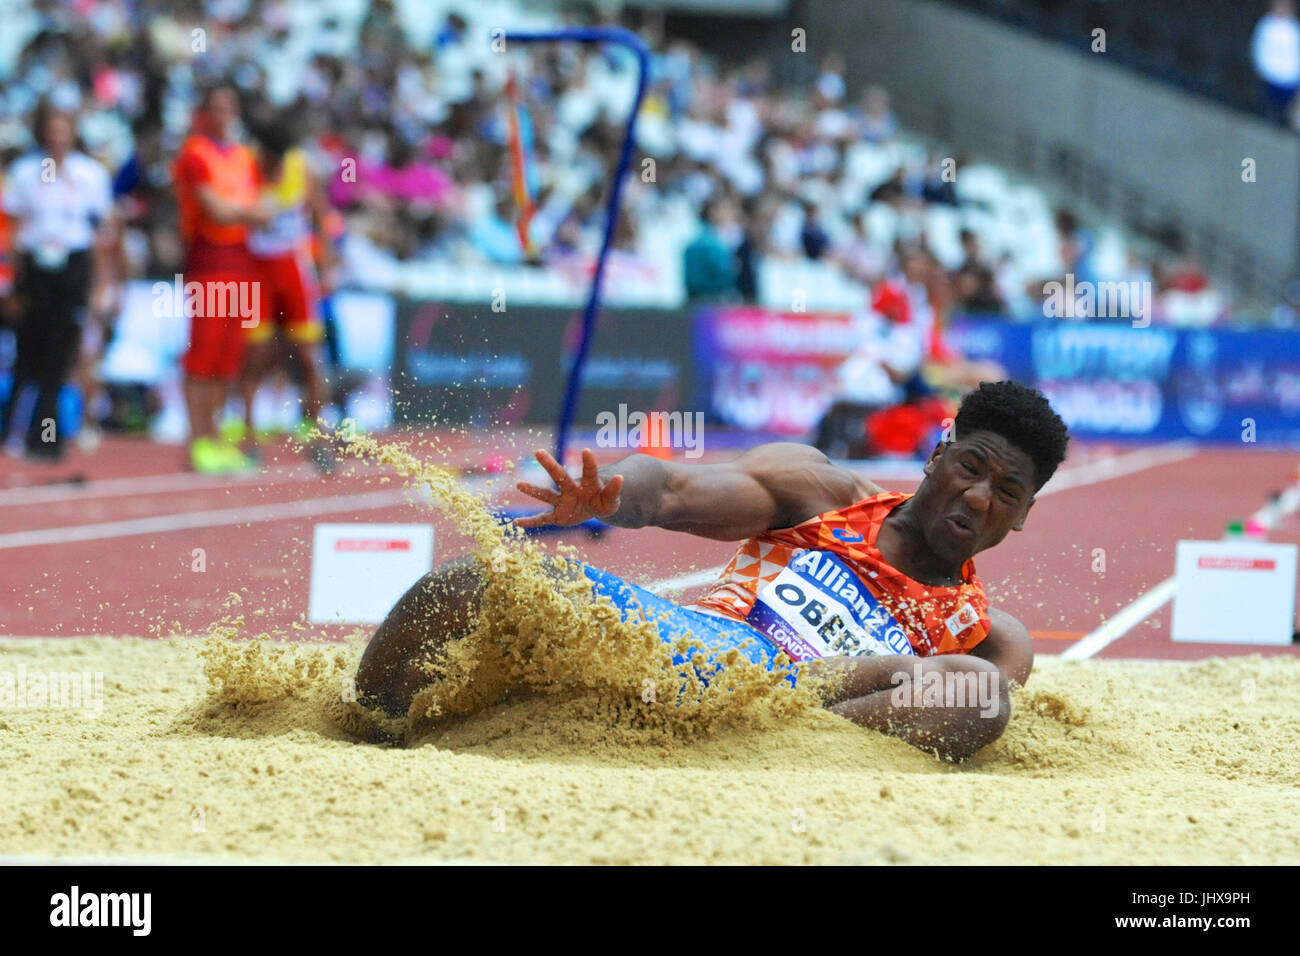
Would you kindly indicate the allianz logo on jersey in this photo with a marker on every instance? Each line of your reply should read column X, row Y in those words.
column 818, row 607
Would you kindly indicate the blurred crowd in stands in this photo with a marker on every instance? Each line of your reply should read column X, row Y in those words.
column 772, row 175
column 741, row 185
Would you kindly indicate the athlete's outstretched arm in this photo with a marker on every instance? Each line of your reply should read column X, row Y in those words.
column 776, row 485
column 1008, row 646
column 950, row 705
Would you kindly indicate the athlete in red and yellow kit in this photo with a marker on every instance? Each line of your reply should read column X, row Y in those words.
column 216, row 191
column 873, row 587
column 7, row 303
column 290, row 293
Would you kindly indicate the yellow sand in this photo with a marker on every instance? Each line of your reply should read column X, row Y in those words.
column 1103, row 762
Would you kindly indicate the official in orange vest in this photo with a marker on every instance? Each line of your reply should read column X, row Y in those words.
column 216, row 183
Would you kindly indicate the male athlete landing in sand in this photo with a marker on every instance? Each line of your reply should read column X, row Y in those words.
column 875, row 587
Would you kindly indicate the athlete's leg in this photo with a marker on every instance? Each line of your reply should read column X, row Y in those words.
column 203, row 396
column 296, row 296
column 259, row 355
column 307, row 356
column 442, row 606
column 259, row 342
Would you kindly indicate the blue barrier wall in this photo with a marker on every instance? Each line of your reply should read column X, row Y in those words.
column 1116, row 381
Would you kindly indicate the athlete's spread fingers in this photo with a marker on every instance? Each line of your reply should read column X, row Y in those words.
column 590, row 478
column 553, row 468
column 541, row 494
column 609, row 494
column 535, row 521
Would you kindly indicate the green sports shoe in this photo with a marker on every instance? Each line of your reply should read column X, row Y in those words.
column 233, row 430
column 237, row 462
column 208, row 456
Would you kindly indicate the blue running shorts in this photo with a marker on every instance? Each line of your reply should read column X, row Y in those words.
column 715, row 635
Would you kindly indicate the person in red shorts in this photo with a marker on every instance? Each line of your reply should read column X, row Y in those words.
column 290, row 300
column 217, row 191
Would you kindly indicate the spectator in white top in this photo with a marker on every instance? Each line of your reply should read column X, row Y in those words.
column 1275, row 50
column 58, row 198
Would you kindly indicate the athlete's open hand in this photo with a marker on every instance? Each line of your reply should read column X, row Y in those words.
column 573, row 502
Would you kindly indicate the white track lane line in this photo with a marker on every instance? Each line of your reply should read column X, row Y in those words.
column 161, row 524
column 1123, row 622
column 1089, row 474
column 151, row 485
column 1151, row 601
column 186, row 520
column 1120, row 465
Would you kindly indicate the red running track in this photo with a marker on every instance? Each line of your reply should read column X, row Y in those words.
column 106, row 543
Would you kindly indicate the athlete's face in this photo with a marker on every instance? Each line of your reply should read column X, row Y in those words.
column 977, row 489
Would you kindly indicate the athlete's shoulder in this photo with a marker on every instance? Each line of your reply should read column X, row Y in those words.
column 1008, row 644
column 869, row 489
column 856, row 485
column 802, row 479
column 788, row 457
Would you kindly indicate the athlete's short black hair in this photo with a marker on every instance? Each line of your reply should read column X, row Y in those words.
column 1023, row 417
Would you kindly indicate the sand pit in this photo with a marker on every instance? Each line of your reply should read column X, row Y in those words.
column 1103, row 762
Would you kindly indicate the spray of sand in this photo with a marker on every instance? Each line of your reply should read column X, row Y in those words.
column 540, row 642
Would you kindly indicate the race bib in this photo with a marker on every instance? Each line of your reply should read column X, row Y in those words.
column 817, row 607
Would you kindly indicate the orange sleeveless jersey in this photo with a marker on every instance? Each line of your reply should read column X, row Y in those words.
column 822, row 588
column 231, row 169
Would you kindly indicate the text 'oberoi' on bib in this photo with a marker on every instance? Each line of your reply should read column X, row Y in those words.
column 816, row 607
